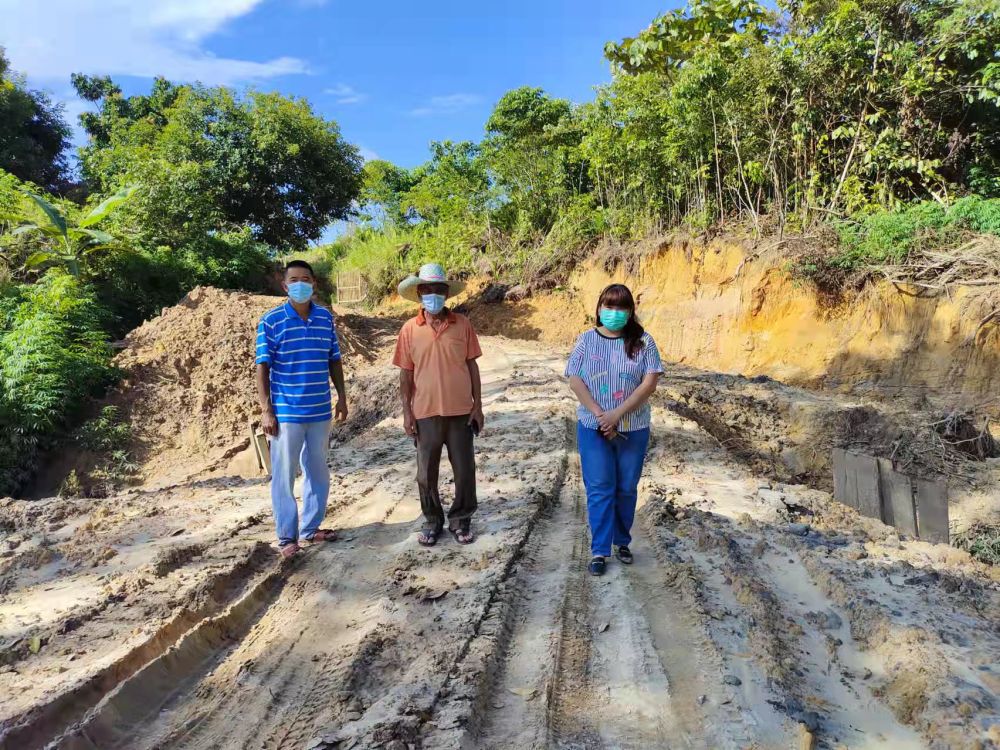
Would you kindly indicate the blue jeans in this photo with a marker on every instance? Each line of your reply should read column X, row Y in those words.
column 611, row 470
column 306, row 444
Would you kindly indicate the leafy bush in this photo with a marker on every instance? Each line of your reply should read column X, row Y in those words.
column 54, row 356
column 106, row 436
column 889, row 236
column 104, row 433
column 982, row 541
column 136, row 285
column 385, row 256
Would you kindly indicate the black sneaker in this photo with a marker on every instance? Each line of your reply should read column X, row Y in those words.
column 598, row 566
column 624, row 554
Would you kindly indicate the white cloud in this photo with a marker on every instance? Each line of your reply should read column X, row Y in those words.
column 50, row 40
column 367, row 154
column 345, row 94
column 446, row 105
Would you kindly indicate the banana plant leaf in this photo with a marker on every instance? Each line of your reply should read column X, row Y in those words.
column 97, row 235
column 57, row 219
column 36, row 259
column 106, row 206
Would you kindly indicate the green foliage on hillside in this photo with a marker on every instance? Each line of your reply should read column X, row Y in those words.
column 186, row 185
column 726, row 112
column 54, row 356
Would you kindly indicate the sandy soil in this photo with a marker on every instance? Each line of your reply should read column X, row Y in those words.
column 757, row 614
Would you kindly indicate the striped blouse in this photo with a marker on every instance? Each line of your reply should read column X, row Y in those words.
column 299, row 353
column 611, row 376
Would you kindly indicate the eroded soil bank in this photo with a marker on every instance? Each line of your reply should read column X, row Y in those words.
column 734, row 308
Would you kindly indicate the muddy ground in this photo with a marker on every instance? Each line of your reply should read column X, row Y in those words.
column 758, row 613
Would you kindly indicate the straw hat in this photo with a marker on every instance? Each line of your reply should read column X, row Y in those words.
column 430, row 273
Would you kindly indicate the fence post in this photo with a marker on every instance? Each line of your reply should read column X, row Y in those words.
column 932, row 510
column 865, row 472
column 897, row 498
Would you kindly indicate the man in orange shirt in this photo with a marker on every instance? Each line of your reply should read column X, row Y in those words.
column 441, row 392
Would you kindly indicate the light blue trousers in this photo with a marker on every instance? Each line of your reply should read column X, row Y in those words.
column 305, row 444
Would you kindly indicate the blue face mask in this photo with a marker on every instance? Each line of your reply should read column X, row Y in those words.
column 433, row 303
column 614, row 320
column 300, row 291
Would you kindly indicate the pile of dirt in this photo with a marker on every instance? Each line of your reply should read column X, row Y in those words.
column 189, row 392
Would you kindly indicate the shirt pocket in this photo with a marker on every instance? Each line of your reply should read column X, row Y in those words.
column 455, row 347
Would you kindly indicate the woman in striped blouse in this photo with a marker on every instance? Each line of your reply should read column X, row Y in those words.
column 613, row 371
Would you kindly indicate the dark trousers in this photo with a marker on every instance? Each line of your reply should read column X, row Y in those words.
column 433, row 434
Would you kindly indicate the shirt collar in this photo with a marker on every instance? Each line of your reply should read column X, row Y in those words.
column 290, row 311
column 422, row 320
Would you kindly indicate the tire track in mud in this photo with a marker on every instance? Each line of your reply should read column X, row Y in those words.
column 35, row 728
column 589, row 662
column 816, row 639
column 332, row 647
column 266, row 682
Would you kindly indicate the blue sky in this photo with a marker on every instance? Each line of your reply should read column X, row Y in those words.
column 395, row 75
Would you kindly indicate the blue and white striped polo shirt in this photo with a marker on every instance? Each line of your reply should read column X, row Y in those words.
column 298, row 353
column 611, row 376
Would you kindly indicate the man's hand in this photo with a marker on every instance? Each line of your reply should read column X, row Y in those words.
column 269, row 422
column 476, row 419
column 409, row 423
column 341, row 411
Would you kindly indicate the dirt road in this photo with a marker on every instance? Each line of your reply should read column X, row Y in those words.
column 756, row 615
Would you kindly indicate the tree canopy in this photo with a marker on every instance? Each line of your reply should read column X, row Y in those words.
column 207, row 159
column 34, row 135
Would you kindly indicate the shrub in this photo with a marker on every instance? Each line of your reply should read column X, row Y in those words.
column 136, row 285
column 104, row 433
column 54, row 356
column 106, row 436
column 982, row 541
column 890, row 236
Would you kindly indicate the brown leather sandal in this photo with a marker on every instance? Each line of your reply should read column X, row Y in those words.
column 322, row 535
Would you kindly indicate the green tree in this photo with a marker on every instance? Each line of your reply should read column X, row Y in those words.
column 33, row 133
column 451, row 187
column 208, row 161
column 384, row 185
column 838, row 105
column 531, row 148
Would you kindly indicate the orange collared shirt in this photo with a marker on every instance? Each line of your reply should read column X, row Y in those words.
column 439, row 361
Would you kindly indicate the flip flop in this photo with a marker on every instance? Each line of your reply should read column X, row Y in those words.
column 289, row 551
column 466, row 532
column 427, row 538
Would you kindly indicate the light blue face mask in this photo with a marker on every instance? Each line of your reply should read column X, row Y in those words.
column 300, row 291
column 433, row 303
column 614, row 320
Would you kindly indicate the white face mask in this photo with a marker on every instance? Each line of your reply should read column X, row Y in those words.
column 433, row 303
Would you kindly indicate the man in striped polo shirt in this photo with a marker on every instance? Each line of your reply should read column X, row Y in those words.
column 297, row 355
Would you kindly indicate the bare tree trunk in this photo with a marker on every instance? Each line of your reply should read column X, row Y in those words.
column 861, row 124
